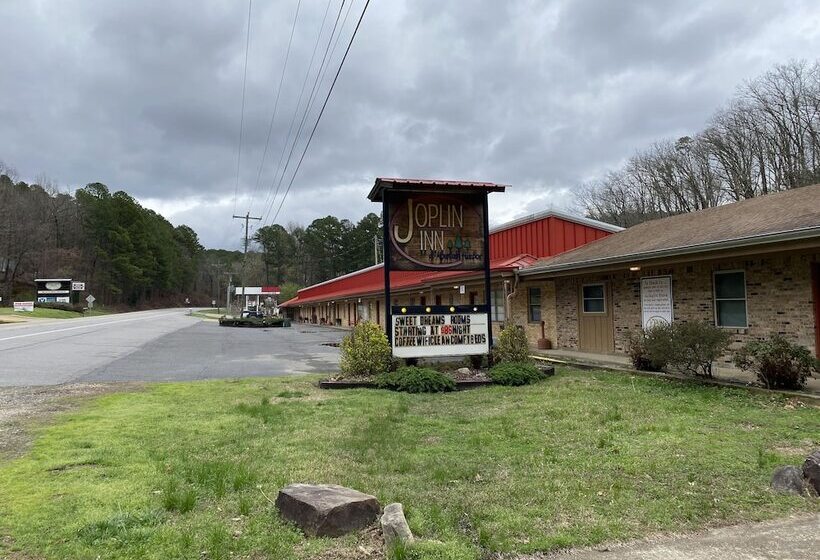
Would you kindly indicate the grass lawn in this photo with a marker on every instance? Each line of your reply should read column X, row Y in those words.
column 45, row 313
column 185, row 470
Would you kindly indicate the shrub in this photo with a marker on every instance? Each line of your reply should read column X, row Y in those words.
column 511, row 346
column 515, row 373
column 688, row 348
column 412, row 379
column 639, row 342
column 778, row 363
column 365, row 352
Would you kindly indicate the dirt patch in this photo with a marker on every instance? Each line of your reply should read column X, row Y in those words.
column 369, row 546
column 23, row 408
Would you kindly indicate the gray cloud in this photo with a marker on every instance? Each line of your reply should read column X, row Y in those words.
column 144, row 96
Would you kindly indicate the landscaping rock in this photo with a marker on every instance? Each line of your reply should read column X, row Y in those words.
column 811, row 470
column 463, row 371
column 326, row 510
column 394, row 525
column 789, row 480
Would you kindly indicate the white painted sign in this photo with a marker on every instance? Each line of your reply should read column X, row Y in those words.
column 24, row 306
column 656, row 300
column 78, row 286
column 423, row 336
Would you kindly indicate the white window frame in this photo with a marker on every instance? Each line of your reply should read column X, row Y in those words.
column 603, row 290
column 530, row 305
column 715, row 300
column 498, row 306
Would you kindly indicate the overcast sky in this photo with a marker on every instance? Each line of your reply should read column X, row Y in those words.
column 542, row 95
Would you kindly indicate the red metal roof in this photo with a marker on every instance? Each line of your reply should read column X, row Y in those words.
column 542, row 235
column 371, row 281
column 383, row 183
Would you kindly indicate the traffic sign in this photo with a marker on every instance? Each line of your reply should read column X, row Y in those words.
column 90, row 299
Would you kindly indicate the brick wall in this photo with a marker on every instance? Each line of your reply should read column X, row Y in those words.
column 520, row 310
column 778, row 298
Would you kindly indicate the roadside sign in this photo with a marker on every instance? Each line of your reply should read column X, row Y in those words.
column 78, row 286
column 90, row 299
column 24, row 306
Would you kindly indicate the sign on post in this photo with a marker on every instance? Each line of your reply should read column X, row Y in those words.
column 439, row 333
column 436, row 226
column 656, row 301
column 24, row 306
column 78, row 286
column 90, row 300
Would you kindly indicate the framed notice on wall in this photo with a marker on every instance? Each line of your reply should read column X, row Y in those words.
column 656, row 301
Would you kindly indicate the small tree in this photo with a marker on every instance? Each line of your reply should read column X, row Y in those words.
column 512, row 345
column 365, row 351
column 778, row 363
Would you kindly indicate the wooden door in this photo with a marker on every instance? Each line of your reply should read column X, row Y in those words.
column 815, row 292
column 596, row 330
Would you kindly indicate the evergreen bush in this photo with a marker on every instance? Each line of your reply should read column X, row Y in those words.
column 515, row 373
column 511, row 345
column 412, row 379
column 365, row 352
column 778, row 363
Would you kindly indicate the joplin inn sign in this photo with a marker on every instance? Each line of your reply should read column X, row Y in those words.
column 443, row 226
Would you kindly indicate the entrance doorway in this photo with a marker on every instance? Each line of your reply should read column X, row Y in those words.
column 815, row 293
column 596, row 329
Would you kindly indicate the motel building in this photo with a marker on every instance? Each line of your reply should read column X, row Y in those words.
column 751, row 267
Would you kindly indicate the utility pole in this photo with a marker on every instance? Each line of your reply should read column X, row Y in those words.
column 247, row 217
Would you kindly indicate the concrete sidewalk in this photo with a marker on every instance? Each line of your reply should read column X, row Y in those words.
column 794, row 538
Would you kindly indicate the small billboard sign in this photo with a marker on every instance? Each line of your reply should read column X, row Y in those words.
column 78, row 286
column 24, row 306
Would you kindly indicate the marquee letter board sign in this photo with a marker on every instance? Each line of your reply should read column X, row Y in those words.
column 436, row 226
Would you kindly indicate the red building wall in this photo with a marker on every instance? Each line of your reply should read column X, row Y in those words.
column 546, row 237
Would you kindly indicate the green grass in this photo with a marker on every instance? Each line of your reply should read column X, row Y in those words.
column 45, row 313
column 187, row 470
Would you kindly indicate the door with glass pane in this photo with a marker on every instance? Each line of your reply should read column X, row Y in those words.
column 596, row 330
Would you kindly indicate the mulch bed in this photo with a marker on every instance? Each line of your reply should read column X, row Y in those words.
column 476, row 378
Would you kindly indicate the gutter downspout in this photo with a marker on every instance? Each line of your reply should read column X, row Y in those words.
column 508, row 298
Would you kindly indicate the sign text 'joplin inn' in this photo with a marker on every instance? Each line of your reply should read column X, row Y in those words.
column 436, row 225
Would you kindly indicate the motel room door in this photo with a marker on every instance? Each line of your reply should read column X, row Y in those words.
column 815, row 292
column 596, row 329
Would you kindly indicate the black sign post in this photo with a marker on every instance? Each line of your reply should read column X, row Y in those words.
column 436, row 226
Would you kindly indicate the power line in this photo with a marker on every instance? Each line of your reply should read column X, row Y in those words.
column 308, row 105
column 242, row 112
column 268, row 200
column 321, row 112
column 275, row 106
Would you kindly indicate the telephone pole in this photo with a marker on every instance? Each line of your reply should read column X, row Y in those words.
column 247, row 217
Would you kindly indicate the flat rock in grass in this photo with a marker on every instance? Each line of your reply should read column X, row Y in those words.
column 464, row 371
column 811, row 470
column 394, row 525
column 789, row 480
column 326, row 510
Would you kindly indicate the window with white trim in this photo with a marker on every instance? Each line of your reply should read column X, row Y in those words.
column 730, row 299
column 497, row 305
column 534, row 305
column 594, row 299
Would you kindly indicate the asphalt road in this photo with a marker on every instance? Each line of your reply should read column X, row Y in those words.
column 163, row 345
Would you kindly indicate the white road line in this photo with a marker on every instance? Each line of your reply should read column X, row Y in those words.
column 87, row 326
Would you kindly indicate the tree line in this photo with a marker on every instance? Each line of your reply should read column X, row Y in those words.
column 131, row 256
column 126, row 254
column 766, row 139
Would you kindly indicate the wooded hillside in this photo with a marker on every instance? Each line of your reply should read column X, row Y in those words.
column 766, row 139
